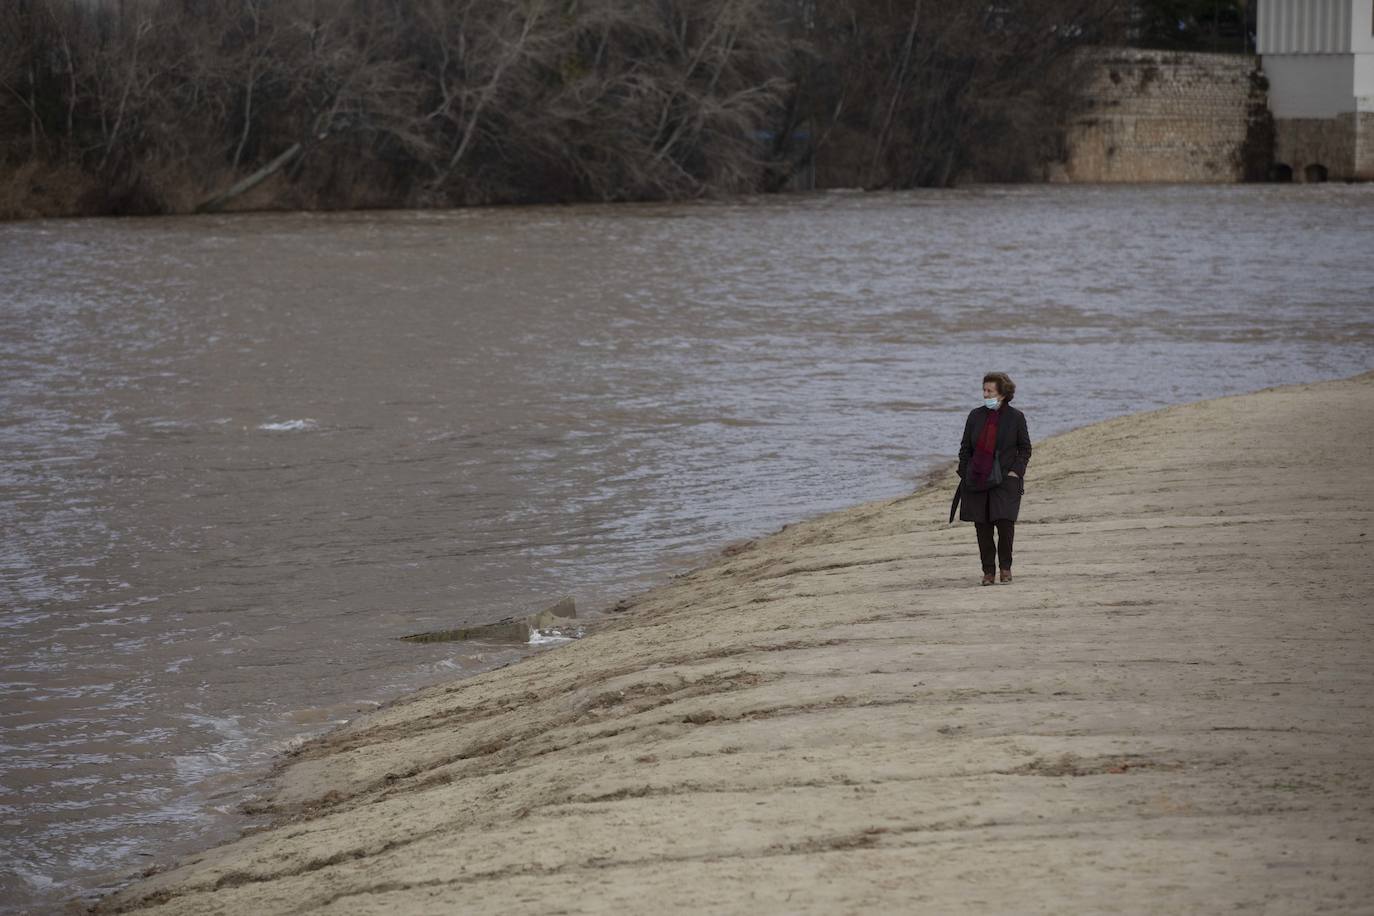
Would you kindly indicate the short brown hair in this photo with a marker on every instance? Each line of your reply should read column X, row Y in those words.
column 1005, row 386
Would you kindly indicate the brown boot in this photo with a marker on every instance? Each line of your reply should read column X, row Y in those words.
column 989, row 579
column 1006, row 575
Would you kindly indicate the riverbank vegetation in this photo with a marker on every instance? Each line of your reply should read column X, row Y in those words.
column 169, row 106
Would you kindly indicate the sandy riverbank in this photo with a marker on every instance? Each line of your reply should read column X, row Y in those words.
column 1170, row 710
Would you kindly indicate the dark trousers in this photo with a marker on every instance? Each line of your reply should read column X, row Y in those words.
column 999, row 554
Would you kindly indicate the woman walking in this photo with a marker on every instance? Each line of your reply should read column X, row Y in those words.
column 992, row 467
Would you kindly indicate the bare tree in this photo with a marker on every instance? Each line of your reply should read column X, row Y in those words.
column 930, row 91
column 166, row 105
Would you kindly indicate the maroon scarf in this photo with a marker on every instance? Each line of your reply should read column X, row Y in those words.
column 985, row 449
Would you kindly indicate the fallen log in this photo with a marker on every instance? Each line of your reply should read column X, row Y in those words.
column 252, row 181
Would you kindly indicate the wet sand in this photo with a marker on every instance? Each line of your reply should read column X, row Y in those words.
column 1170, row 710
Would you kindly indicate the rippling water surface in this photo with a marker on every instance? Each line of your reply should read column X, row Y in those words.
column 239, row 455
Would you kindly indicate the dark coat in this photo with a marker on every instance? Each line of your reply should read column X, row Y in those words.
column 1013, row 453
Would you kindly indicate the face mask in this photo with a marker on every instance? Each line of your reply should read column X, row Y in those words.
column 991, row 403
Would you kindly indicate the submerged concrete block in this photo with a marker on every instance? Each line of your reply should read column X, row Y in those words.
column 558, row 617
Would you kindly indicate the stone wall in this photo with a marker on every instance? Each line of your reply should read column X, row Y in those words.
column 1162, row 116
column 1326, row 149
column 1305, row 146
column 1364, row 146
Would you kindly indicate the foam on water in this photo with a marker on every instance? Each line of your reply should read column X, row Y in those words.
column 540, row 638
column 289, row 425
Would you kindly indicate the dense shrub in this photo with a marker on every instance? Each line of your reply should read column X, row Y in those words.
column 149, row 106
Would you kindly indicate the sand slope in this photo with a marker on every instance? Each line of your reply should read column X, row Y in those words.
column 1170, row 710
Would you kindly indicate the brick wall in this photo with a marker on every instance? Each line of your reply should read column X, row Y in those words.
column 1165, row 116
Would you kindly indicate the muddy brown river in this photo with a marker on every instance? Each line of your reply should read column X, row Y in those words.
column 241, row 455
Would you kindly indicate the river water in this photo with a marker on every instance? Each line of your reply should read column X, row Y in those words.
column 240, row 455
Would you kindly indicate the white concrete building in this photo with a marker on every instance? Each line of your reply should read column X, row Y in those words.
column 1318, row 56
